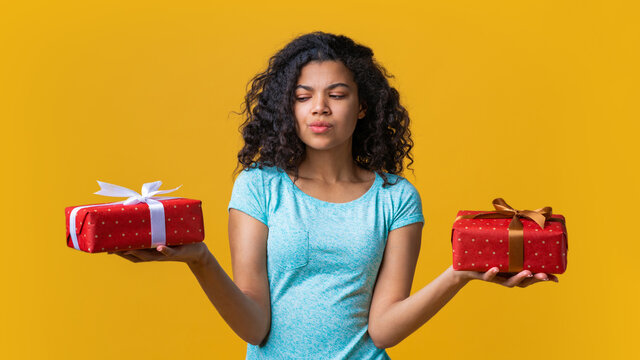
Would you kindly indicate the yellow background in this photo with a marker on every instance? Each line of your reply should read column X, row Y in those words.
column 532, row 101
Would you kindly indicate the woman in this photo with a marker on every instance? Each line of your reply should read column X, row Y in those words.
column 324, row 232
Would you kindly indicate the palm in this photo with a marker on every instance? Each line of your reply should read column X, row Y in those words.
column 188, row 253
column 521, row 279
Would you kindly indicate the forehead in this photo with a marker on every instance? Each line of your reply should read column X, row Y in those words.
column 322, row 73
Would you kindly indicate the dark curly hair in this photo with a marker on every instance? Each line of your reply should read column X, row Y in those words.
column 381, row 139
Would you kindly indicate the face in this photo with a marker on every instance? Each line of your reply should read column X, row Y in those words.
column 326, row 105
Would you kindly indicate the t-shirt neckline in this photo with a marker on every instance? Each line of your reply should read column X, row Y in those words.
column 296, row 189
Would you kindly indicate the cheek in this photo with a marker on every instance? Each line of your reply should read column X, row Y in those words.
column 299, row 114
column 350, row 112
column 349, row 115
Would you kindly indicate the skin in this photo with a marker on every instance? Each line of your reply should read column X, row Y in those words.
column 328, row 173
column 327, row 92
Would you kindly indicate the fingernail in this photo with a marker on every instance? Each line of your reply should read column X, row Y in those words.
column 530, row 275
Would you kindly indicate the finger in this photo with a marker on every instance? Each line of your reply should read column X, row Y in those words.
column 499, row 279
column 502, row 277
column 541, row 276
column 528, row 281
column 490, row 275
column 546, row 277
column 516, row 279
column 146, row 254
column 532, row 280
column 165, row 250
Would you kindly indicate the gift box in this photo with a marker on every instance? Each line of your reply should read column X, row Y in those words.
column 513, row 240
column 142, row 221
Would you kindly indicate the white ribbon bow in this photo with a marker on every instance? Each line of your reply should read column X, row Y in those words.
column 148, row 192
column 156, row 209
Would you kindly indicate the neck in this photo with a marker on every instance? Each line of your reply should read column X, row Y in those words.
column 330, row 166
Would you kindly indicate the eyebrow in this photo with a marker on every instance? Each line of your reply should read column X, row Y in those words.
column 330, row 87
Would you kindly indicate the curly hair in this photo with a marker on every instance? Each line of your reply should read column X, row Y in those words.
column 381, row 139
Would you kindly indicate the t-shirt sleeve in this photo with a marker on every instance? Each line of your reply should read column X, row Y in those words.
column 409, row 206
column 248, row 194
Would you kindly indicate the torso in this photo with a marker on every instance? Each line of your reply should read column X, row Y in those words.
column 338, row 193
column 324, row 249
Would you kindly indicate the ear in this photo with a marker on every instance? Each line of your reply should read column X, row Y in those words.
column 363, row 110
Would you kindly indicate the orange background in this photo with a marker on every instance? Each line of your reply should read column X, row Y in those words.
column 532, row 101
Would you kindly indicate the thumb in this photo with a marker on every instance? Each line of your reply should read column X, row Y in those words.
column 167, row 251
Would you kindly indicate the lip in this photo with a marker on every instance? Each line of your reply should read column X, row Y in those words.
column 319, row 129
column 320, row 123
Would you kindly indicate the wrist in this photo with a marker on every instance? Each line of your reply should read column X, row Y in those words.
column 202, row 258
column 460, row 278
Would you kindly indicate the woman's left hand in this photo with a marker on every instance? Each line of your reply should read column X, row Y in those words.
column 522, row 279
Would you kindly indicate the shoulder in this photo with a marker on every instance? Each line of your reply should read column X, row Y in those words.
column 258, row 174
column 260, row 181
column 398, row 185
column 405, row 204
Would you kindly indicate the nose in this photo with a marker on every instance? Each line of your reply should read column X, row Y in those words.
column 320, row 106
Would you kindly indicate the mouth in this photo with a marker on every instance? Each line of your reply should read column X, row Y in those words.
column 318, row 129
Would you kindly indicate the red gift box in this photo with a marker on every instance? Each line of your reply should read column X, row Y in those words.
column 119, row 227
column 512, row 240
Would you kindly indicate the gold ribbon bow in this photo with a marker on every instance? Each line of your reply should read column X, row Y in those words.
column 516, row 229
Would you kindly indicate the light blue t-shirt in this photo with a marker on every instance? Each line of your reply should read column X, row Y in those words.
column 322, row 261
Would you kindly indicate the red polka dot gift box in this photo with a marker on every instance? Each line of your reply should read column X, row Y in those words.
column 512, row 240
column 142, row 221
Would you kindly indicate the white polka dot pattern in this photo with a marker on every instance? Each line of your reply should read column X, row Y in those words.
column 544, row 251
column 118, row 227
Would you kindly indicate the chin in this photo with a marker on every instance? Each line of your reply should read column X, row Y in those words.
column 319, row 145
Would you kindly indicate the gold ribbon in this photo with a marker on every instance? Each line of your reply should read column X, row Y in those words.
column 516, row 229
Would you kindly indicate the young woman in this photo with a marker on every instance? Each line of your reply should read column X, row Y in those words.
column 324, row 232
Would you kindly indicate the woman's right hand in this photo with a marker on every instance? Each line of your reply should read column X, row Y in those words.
column 192, row 254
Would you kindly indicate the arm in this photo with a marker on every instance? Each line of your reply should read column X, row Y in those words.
column 394, row 314
column 243, row 304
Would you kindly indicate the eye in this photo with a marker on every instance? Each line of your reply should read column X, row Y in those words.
column 332, row 96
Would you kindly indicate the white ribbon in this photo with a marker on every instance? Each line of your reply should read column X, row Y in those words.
column 156, row 209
